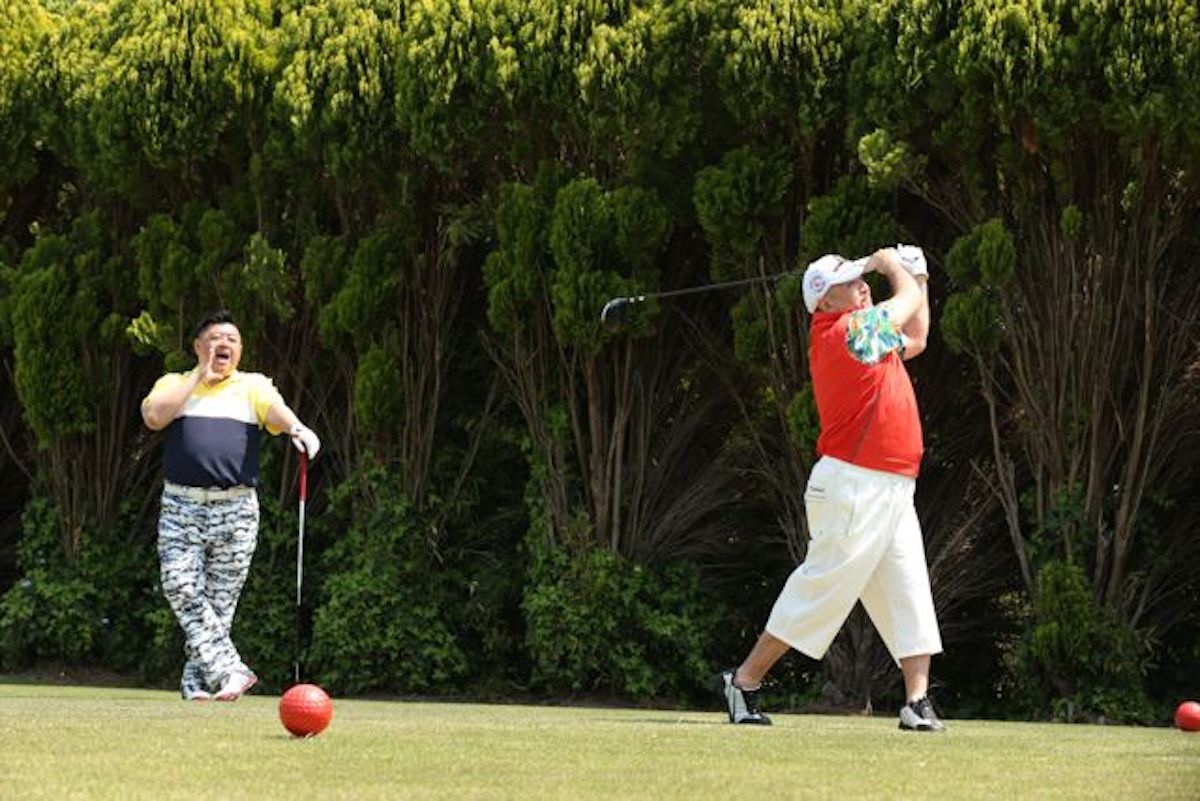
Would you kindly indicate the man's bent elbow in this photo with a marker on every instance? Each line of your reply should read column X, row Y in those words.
column 914, row 347
column 153, row 419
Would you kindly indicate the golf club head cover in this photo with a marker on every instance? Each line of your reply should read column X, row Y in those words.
column 305, row 440
column 913, row 259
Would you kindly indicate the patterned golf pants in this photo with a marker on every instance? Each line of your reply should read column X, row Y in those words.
column 206, row 539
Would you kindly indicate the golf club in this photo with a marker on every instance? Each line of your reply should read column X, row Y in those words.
column 616, row 311
column 300, row 560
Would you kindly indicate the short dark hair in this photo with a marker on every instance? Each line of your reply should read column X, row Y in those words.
column 212, row 318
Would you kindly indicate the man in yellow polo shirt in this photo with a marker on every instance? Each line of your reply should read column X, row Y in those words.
column 208, row 524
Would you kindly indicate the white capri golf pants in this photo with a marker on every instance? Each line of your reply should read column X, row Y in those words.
column 865, row 544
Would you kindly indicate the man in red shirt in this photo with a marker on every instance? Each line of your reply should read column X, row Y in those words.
column 865, row 540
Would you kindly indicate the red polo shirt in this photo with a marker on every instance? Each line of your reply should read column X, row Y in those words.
column 864, row 397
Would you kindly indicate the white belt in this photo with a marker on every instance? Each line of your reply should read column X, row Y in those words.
column 879, row 475
column 207, row 493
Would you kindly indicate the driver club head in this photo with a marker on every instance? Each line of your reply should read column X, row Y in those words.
column 617, row 312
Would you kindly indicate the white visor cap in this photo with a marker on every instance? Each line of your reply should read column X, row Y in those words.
column 825, row 272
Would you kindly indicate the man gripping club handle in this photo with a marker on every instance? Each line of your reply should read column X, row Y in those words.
column 213, row 416
column 304, row 439
column 865, row 541
column 912, row 258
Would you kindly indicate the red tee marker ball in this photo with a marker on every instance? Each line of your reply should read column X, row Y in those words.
column 1187, row 716
column 305, row 710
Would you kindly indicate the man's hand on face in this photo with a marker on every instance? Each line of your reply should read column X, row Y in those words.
column 208, row 369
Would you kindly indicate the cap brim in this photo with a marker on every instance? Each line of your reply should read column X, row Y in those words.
column 849, row 270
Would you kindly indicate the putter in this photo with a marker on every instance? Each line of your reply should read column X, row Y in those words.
column 616, row 311
column 300, row 561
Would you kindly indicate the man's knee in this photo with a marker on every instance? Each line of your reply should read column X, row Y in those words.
column 180, row 588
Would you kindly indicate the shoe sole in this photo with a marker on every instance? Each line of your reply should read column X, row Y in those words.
column 926, row 729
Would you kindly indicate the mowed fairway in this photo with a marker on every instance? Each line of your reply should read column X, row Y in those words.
column 86, row 742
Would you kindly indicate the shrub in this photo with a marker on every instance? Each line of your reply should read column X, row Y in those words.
column 389, row 615
column 600, row 623
column 1076, row 661
column 89, row 610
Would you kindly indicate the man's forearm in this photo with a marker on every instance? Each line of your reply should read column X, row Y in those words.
column 161, row 408
column 907, row 297
column 281, row 418
column 917, row 327
column 916, row 330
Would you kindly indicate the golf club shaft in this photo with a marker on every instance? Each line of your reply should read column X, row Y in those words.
column 300, row 559
column 691, row 290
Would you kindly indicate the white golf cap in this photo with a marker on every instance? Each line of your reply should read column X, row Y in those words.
column 825, row 272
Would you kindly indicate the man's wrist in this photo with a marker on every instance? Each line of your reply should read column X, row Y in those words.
column 885, row 261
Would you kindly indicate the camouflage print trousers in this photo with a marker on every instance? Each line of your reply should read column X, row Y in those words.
column 206, row 539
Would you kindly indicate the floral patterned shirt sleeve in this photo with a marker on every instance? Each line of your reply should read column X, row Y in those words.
column 872, row 334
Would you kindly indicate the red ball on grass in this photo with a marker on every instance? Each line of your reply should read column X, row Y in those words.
column 305, row 710
column 1187, row 716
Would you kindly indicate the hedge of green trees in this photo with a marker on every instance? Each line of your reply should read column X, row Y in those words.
column 417, row 209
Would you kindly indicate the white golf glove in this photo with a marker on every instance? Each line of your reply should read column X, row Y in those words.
column 913, row 259
column 305, row 440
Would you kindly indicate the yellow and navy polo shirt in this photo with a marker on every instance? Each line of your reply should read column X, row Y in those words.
column 214, row 441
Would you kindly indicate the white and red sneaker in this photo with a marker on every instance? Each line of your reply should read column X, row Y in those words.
column 236, row 683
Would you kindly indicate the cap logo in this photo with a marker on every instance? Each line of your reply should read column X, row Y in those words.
column 817, row 283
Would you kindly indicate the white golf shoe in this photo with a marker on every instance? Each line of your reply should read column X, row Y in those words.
column 742, row 705
column 236, row 683
column 918, row 715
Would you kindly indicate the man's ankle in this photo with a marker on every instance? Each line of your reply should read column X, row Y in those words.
column 747, row 686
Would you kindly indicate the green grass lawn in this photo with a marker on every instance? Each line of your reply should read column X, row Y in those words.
column 64, row 742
